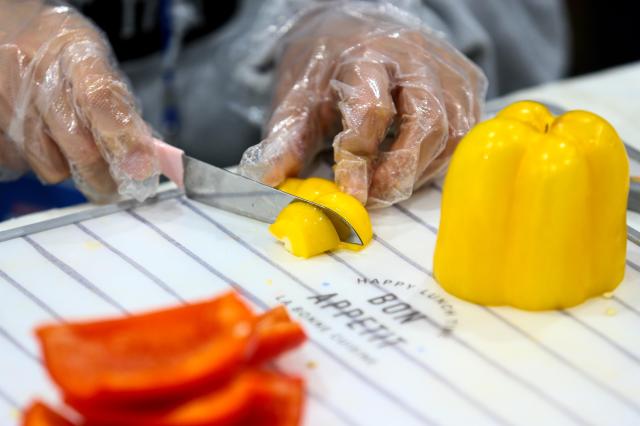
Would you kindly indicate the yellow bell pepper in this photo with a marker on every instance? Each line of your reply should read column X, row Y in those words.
column 313, row 187
column 350, row 208
column 290, row 185
column 305, row 230
column 534, row 210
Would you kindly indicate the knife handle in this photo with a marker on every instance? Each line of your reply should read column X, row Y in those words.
column 170, row 159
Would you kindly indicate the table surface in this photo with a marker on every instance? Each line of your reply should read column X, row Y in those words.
column 421, row 356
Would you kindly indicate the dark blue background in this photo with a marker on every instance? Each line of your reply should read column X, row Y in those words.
column 28, row 195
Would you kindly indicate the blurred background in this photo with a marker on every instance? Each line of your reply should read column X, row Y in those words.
column 604, row 34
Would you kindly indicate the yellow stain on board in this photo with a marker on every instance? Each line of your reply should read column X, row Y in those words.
column 92, row 245
column 611, row 311
column 269, row 281
column 311, row 365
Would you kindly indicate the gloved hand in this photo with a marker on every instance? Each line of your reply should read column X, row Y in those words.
column 404, row 95
column 64, row 108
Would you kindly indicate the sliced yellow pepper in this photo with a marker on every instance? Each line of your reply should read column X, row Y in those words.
column 313, row 187
column 290, row 185
column 305, row 230
column 350, row 208
column 534, row 210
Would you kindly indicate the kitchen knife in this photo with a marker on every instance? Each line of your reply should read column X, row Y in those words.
column 235, row 193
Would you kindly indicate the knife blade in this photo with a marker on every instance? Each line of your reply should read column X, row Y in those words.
column 232, row 192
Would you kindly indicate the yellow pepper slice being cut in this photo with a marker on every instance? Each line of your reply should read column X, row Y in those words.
column 350, row 208
column 534, row 210
column 305, row 230
column 313, row 187
column 290, row 185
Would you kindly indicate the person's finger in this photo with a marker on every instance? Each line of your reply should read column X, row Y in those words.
column 458, row 85
column 303, row 115
column 367, row 112
column 295, row 131
column 435, row 100
column 422, row 135
column 107, row 109
column 90, row 171
column 50, row 93
column 461, row 80
column 12, row 164
column 437, row 166
column 25, row 142
column 40, row 150
column 463, row 89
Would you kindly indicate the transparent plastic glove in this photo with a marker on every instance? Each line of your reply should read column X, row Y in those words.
column 65, row 109
column 405, row 98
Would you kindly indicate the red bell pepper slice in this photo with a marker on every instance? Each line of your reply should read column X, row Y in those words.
column 255, row 398
column 223, row 406
column 149, row 357
column 278, row 400
column 39, row 414
column 276, row 334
